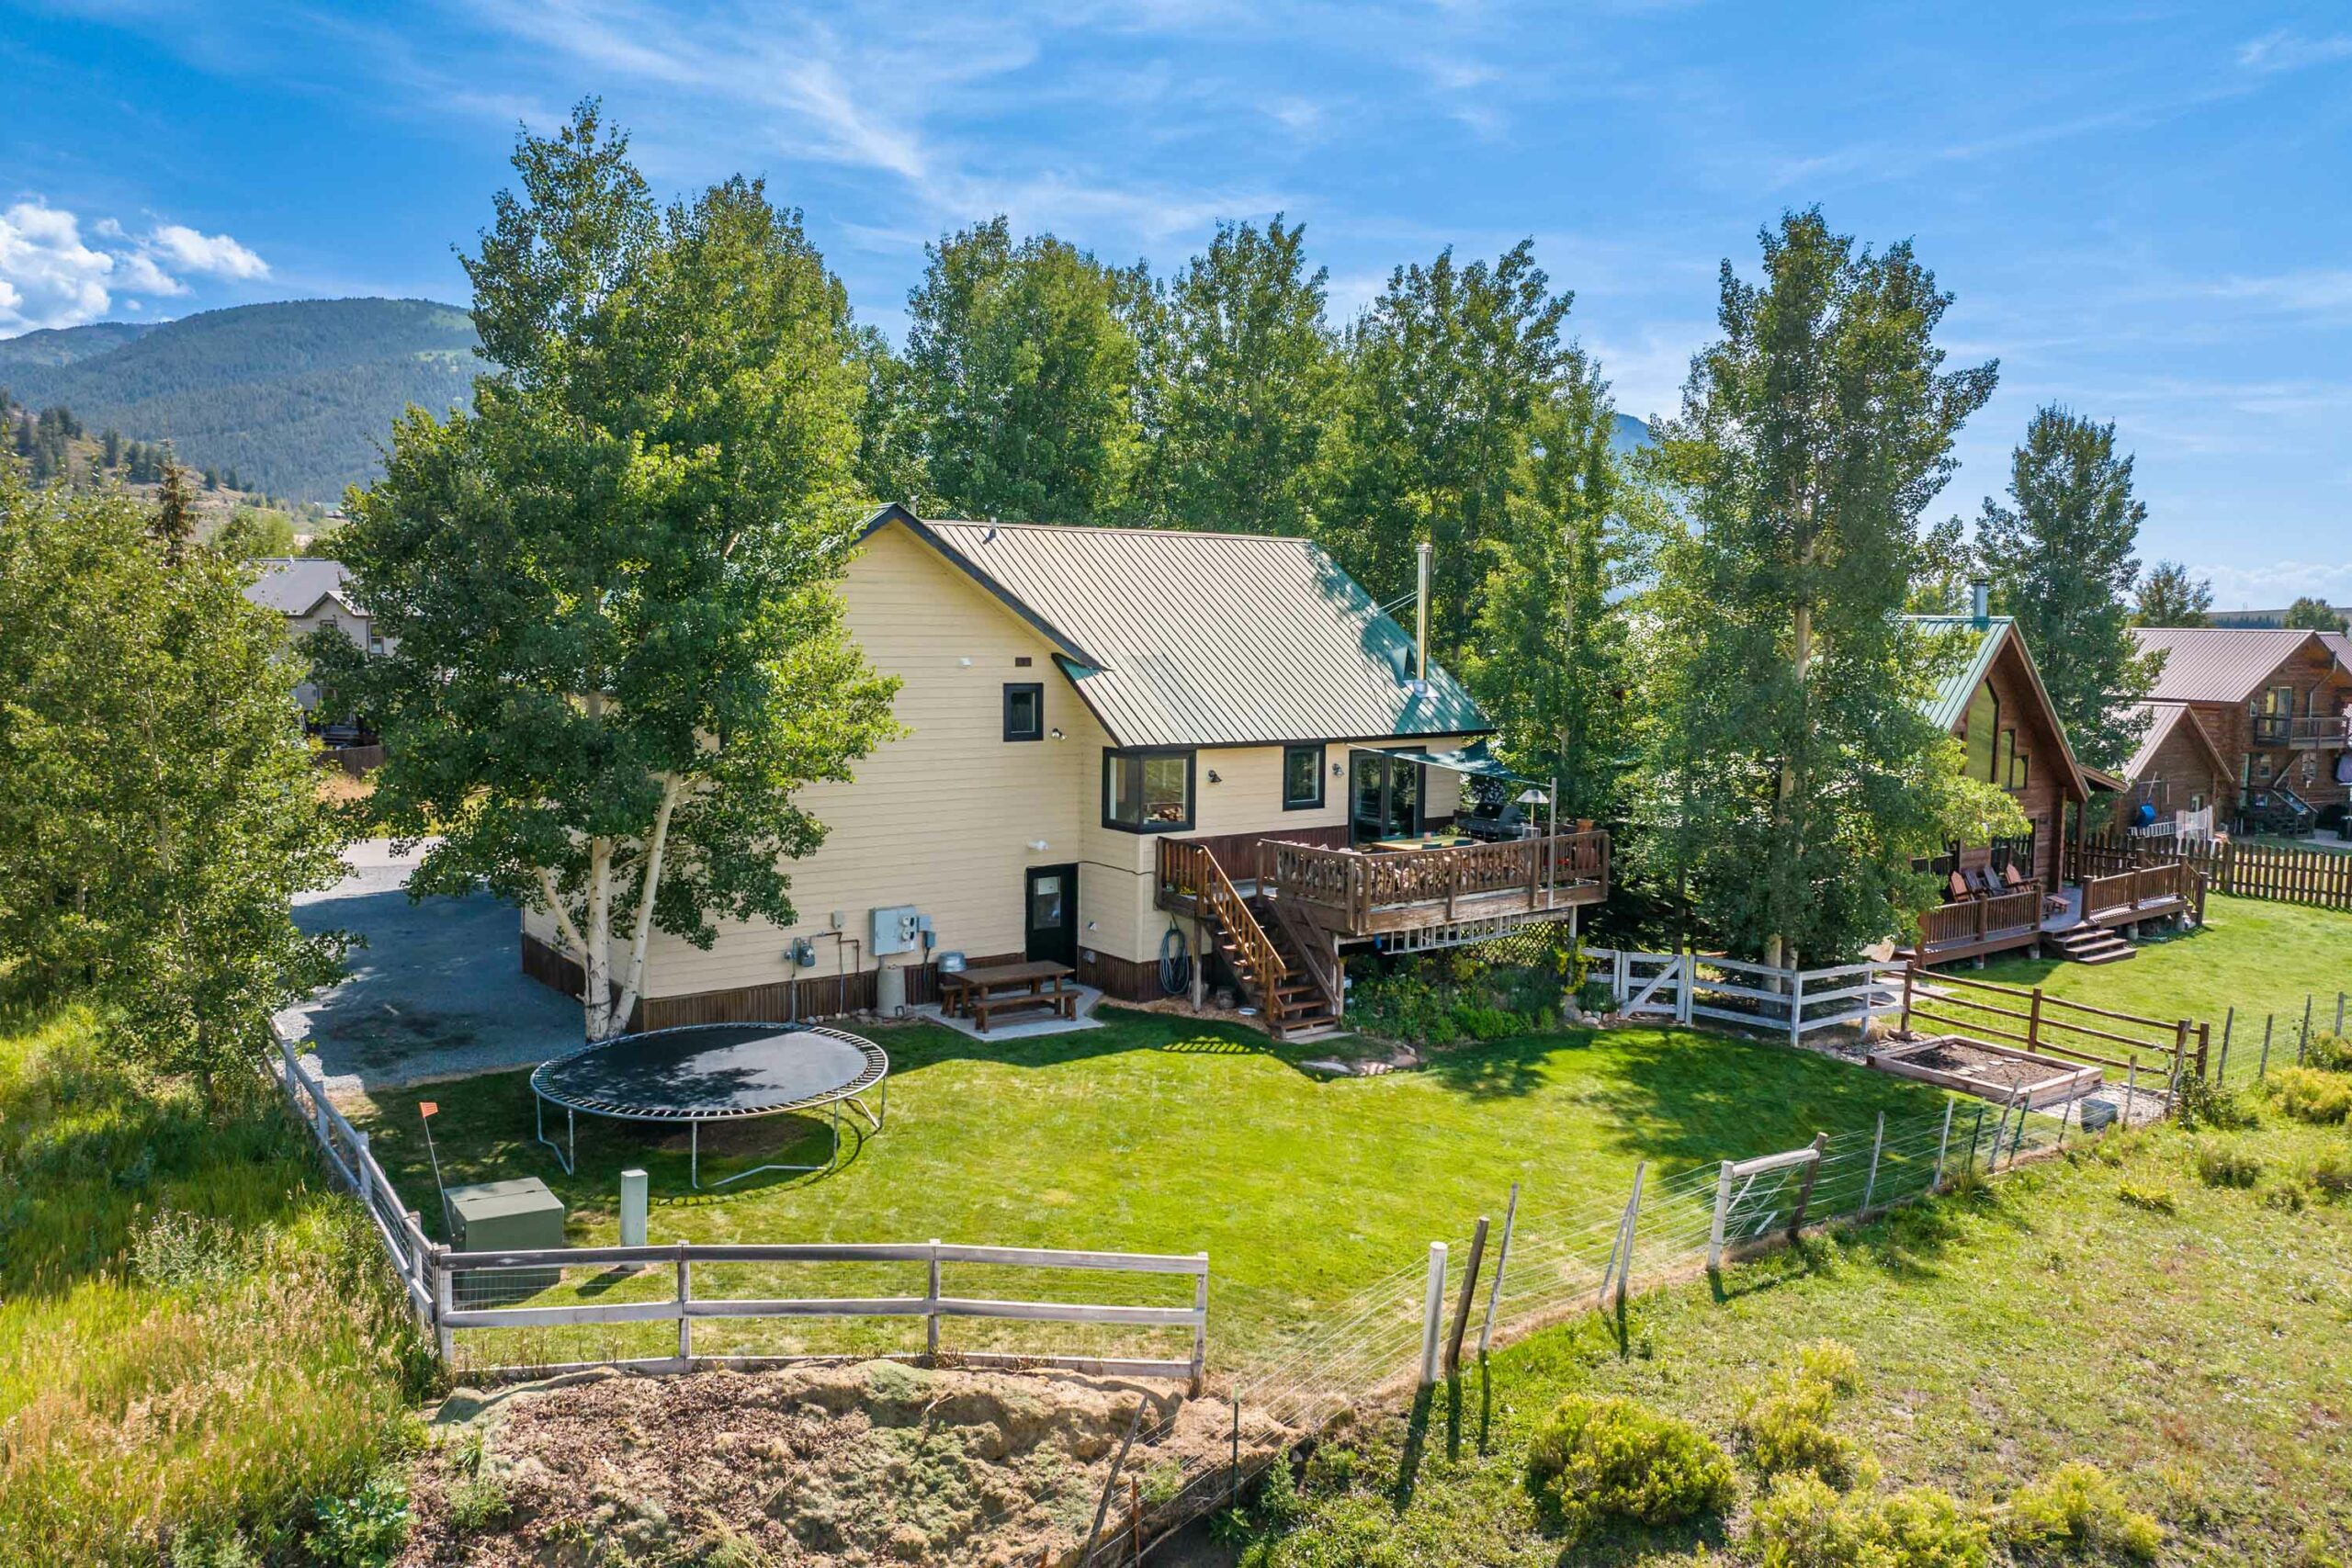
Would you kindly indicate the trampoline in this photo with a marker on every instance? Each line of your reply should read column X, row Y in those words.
column 713, row 1072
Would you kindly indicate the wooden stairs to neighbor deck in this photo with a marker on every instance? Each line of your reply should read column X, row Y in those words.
column 2090, row 945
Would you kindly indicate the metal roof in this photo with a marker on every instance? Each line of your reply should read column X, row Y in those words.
column 292, row 585
column 1206, row 640
column 2163, row 718
column 2217, row 664
column 1958, row 684
column 1949, row 702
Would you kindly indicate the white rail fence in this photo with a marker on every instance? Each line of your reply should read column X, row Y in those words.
column 1795, row 1002
column 554, row 1293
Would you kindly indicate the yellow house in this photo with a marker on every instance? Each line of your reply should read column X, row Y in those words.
column 1118, row 734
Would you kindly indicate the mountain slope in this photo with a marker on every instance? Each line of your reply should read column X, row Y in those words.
column 296, row 396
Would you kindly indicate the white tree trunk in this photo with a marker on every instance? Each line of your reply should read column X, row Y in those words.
column 641, row 936
column 596, row 932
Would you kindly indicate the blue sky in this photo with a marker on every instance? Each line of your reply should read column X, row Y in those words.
column 2144, row 209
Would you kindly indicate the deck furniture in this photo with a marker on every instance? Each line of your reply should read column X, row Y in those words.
column 1041, row 985
column 1424, row 841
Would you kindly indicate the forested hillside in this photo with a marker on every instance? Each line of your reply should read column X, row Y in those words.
column 295, row 396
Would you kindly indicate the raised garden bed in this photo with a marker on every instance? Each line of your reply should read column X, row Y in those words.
column 1999, row 1073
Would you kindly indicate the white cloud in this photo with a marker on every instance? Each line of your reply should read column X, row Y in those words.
column 215, row 253
column 2285, row 50
column 49, row 278
column 2272, row 587
column 51, row 275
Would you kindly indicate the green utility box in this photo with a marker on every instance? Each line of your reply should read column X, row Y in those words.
column 520, row 1216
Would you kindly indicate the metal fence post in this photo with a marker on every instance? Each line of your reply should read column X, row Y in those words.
column 1502, row 1261
column 2262, row 1067
column 930, row 1307
column 1722, row 1209
column 2229, row 1020
column 1469, row 1295
column 1870, row 1187
column 1633, row 1221
column 2304, row 1041
column 1974, row 1134
column 1432, row 1313
column 1805, row 1189
column 1943, row 1145
column 2130, row 1092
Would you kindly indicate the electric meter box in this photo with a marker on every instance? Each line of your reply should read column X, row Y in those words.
column 898, row 928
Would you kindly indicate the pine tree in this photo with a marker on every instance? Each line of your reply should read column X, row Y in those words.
column 110, row 447
column 175, row 523
column 1793, row 774
column 2060, row 561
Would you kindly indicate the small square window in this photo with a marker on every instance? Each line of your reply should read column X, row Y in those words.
column 1301, row 778
column 1024, row 711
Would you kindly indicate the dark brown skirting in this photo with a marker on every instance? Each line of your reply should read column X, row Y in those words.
column 1128, row 979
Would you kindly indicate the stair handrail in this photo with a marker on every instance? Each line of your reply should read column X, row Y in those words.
column 1322, row 965
column 1197, row 872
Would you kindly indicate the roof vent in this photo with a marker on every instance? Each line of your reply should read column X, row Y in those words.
column 989, row 537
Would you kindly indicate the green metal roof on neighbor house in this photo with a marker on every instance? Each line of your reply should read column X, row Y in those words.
column 1206, row 640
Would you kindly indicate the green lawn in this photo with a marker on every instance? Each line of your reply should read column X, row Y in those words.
column 1164, row 1136
column 2252, row 955
column 2201, row 1356
column 198, row 1341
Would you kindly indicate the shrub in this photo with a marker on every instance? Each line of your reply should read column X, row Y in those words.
column 2332, row 1173
column 2201, row 1104
column 2309, row 1095
column 1481, row 1022
column 2329, row 1051
column 1784, row 1422
column 1598, row 1458
column 2227, row 1163
column 2078, row 1507
column 2156, row 1200
column 366, row 1528
column 1804, row 1523
column 1595, row 997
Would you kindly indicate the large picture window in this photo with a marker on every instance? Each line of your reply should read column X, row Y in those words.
column 1147, row 792
column 1984, row 734
column 1302, row 777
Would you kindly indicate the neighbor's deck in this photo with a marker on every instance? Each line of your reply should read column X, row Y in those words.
column 1358, row 894
column 1978, row 927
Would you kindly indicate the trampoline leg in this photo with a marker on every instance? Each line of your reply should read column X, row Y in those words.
column 539, row 1130
column 693, row 1155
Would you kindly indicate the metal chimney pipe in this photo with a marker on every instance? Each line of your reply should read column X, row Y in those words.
column 1421, row 618
column 1979, row 600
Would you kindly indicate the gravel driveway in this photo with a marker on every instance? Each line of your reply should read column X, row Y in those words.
column 438, row 991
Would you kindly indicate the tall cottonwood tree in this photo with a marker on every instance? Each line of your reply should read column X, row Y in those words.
column 1022, row 366
column 2060, row 557
column 1447, row 374
column 1240, row 372
column 1549, row 654
column 1793, row 775
column 2311, row 615
column 619, row 645
column 158, row 802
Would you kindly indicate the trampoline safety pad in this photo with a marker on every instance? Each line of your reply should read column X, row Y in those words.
column 714, row 1072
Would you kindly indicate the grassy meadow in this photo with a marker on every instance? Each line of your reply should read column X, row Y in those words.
column 198, row 1342
column 2128, row 1304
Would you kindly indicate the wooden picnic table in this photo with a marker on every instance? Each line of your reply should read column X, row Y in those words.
column 1010, row 988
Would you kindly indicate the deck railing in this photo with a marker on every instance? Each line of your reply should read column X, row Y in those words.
column 1982, row 920
column 2134, row 889
column 1355, row 886
column 2299, row 730
column 1190, row 870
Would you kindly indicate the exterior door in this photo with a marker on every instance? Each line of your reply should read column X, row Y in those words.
column 1049, row 921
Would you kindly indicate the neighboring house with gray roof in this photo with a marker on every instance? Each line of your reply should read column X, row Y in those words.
column 1112, row 734
column 310, row 593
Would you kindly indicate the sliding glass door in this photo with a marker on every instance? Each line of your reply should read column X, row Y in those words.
column 1384, row 796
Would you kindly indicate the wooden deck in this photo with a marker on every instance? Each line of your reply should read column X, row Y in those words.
column 1354, row 894
column 1976, row 928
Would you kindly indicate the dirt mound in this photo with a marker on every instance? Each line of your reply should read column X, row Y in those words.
column 867, row 1462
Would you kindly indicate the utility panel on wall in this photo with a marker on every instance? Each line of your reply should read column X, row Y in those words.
column 898, row 928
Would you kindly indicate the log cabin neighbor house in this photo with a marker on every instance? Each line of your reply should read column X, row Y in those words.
column 2274, row 703
column 2178, row 784
column 1125, row 743
column 2015, row 893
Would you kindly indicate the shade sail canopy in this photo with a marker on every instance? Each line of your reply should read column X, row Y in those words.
column 1471, row 760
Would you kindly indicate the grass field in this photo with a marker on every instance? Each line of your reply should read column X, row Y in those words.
column 2252, row 955
column 196, row 1340
column 2200, row 1356
column 1163, row 1134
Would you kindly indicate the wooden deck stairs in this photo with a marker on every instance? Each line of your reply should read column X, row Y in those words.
column 1281, row 964
column 2088, row 944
